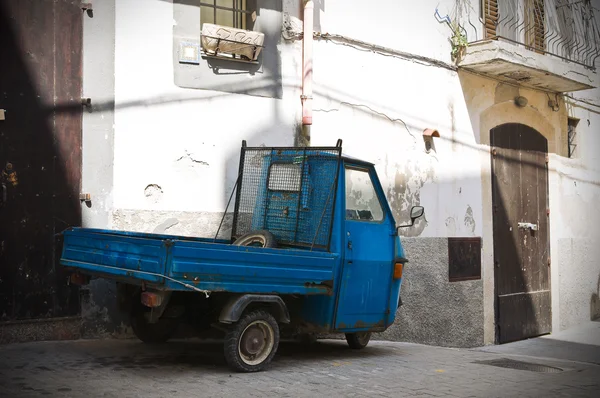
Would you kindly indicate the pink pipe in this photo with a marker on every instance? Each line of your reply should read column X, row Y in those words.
column 307, row 63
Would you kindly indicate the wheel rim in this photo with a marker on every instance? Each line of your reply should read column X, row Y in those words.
column 256, row 342
column 258, row 241
column 363, row 338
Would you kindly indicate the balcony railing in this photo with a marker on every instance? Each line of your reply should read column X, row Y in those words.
column 567, row 29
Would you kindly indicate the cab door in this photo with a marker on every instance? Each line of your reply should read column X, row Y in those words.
column 363, row 301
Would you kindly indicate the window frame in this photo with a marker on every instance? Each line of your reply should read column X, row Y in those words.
column 375, row 190
column 237, row 11
column 572, row 123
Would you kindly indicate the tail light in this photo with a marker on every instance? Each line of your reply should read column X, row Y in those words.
column 79, row 279
column 151, row 300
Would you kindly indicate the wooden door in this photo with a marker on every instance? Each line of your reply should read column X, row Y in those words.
column 521, row 245
column 40, row 153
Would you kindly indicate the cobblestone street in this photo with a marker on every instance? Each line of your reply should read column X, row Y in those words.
column 128, row 368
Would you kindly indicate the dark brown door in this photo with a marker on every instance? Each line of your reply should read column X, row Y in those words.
column 521, row 245
column 40, row 153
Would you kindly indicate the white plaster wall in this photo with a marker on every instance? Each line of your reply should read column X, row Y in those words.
column 183, row 140
column 577, row 234
column 358, row 92
column 187, row 141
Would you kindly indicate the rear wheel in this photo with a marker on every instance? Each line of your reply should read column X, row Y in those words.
column 252, row 342
column 358, row 340
column 151, row 333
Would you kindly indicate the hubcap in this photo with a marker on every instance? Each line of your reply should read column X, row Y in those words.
column 363, row 338
column 256, row 342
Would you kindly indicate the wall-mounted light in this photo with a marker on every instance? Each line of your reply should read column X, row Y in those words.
column 189, row 52
column 521, row 102
column 428, row 135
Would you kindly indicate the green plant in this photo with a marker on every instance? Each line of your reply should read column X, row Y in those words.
column 458, row 40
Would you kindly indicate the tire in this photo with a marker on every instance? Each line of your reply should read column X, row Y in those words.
column 242, row 348
column 358, row 340
column 260, row 238
column 151, row 333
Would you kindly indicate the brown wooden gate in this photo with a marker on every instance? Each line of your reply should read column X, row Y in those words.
column 40, row 153
column 521, row 244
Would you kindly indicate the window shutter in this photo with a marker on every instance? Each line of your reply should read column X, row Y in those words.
column 539, row 42
column 490, row 17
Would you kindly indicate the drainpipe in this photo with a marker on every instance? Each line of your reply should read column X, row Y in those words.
column 307, row 70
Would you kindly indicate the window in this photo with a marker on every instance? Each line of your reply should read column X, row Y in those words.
column 464, row 259
column 285, row 177
column 490, row 16
column 523, row 21
column 535, row 15
column 238, row 14
column 566, row 26
column 572, row 133
column 362, row 202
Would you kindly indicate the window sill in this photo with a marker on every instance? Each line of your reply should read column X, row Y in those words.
column 205, row 55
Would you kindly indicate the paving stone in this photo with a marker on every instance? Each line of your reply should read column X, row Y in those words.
column 128, row 368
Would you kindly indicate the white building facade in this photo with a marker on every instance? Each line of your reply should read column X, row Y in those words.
column 510, row 236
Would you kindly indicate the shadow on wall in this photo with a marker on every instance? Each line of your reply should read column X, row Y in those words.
column 595, row 303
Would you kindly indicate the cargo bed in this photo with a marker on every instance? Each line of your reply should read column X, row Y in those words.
column 182, row 263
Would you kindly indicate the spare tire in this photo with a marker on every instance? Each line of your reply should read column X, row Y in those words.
column 260, row 238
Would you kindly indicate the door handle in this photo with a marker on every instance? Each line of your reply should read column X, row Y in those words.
column 528, row 225
column 4, row 195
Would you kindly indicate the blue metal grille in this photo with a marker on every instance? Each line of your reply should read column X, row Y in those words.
column 288, row 191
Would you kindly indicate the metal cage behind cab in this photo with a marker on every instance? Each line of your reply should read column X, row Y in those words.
column 289, row 191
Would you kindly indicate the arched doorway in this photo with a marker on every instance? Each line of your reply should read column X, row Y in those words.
column 521, row 232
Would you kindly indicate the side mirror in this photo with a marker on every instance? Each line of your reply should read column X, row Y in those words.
column 415, row 212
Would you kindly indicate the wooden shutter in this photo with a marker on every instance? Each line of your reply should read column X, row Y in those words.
column 535, row 15
column 539, row 41
column 490, row 17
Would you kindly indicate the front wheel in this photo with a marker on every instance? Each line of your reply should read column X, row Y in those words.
column 252, row 342
column 358, row 340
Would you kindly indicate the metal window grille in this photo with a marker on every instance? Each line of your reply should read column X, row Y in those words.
column 288, row 191
column 238, row 9
column 572, row 132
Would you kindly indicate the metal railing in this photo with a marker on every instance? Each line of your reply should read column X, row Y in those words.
column 567, row 29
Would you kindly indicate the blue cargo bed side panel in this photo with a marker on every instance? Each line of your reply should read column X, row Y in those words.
column 219, row 267
column 174, row 263
column 114, row 254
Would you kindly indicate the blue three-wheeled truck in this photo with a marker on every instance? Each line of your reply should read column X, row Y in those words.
column 314, row 249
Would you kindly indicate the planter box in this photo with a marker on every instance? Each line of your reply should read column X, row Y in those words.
column 217, row 39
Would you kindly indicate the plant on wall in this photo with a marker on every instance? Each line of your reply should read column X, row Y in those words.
column 459, row 42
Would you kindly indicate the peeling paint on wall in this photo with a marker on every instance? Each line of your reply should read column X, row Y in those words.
column 595, row 303
column 405, row 192
column 191, row 159
column 153, row 192
column 451, row 226
column 163, row 227
column 470, row 220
